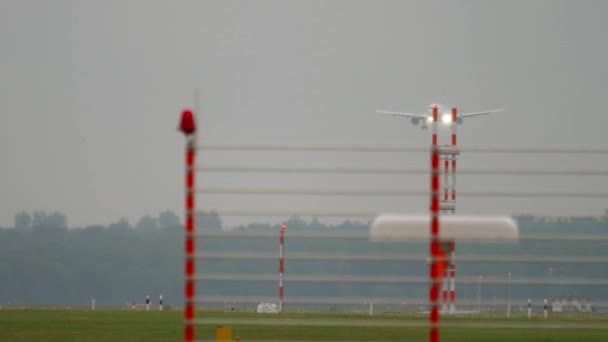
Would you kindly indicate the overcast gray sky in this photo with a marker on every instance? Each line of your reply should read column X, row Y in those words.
column 90, row 95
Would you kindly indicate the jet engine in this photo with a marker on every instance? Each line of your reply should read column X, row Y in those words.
column 415, row 121
column 459, row 121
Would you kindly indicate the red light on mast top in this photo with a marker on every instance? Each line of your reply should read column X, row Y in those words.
column 187, row 125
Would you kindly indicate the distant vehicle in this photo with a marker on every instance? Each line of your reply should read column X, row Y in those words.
column 445, row 115
column 268, row 308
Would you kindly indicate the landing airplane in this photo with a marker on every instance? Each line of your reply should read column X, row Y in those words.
column 445, row 115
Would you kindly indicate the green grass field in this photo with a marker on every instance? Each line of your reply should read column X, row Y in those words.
column 125, row 325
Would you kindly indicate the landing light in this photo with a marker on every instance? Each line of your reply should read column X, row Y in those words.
column 446, row 118
column 429, row 119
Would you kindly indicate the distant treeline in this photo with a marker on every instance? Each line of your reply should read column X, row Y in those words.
column 42, row 262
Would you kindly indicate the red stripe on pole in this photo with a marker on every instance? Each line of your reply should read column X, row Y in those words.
column 189, row 179
column 189, row 333
column 435, row 273
column 189, row 204
column 190, row 248
column 189, row 289
column 189, row 224
column 435, row 166
column 434, row 334
column 190, row 269
column 190, row 156
column 189, row 311
column 435, row 248
column 435, row 288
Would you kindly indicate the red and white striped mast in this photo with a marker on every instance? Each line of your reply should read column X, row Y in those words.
column 436, row 269
column 281, row 264
column 453, row 187
column 188, row 127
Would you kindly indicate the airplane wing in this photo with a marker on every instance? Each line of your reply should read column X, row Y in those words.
column 409, row 115
column 464, row 115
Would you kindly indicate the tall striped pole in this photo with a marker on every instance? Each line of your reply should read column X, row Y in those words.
column 453, row 243
column 188, row 127
column 436, row 271
column 281, row 264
